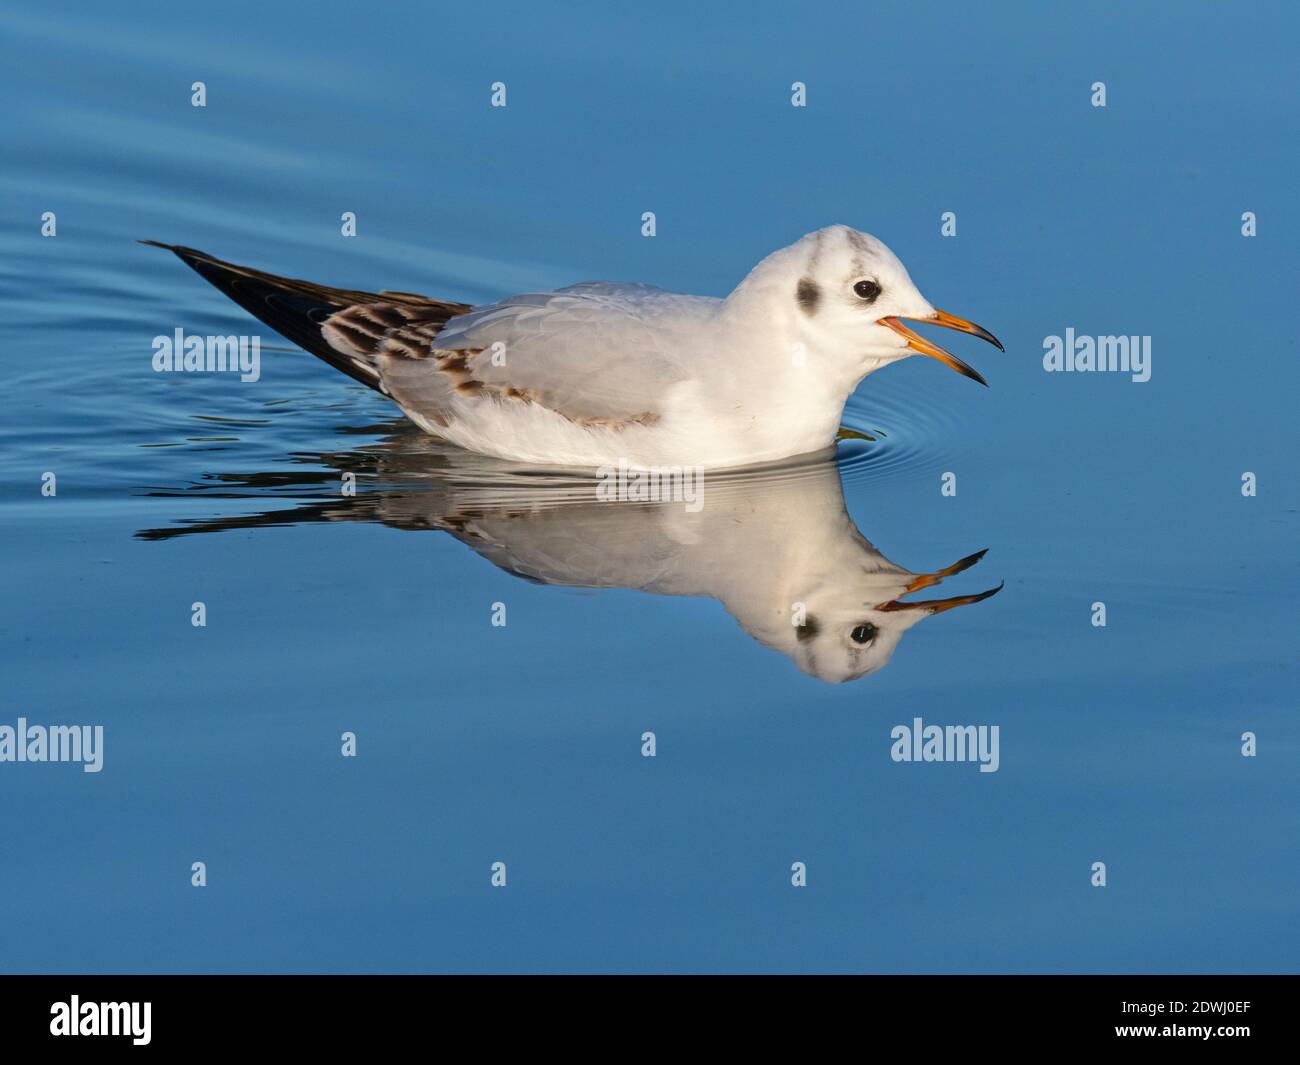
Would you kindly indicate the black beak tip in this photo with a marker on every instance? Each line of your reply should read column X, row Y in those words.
column 986, row 336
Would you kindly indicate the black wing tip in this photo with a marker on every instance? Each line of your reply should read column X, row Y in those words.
column 179, row 249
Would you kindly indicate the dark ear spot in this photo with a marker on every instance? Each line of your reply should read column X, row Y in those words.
column 808, row 295
column 808, row 629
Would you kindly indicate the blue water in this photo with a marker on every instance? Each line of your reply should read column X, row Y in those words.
column 522, row 744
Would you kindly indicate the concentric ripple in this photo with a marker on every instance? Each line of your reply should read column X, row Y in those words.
column 911, row 430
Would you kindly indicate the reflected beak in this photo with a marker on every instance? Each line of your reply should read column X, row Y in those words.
column 929, row 580
column 938, row 606
column 949, row 321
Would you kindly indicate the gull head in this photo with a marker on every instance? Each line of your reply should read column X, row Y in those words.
column 849, row 643
column 846, row 295
column 845, row 637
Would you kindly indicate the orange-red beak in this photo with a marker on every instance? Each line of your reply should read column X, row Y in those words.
column 938, row 606
column 929, row 580
column 949, row 321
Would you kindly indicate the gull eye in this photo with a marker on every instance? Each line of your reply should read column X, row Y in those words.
column 868, row 290
column 863, row 633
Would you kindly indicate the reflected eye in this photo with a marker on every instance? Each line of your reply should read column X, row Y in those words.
column 868, row 290
column 863, row 633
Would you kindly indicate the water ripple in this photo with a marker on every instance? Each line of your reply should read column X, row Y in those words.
column 911, row 431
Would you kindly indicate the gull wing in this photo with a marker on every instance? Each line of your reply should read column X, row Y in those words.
column 299, row 310
column 592, row 352
column 597, row 352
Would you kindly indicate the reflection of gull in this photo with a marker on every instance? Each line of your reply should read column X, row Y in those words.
column 776, row 547
column 594, row 373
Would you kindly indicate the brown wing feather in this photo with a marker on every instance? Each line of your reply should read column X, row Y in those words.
column 345, row 327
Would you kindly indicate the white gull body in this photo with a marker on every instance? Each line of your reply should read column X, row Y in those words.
column 601, row 373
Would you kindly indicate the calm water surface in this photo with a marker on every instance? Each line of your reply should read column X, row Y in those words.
column 522, row 743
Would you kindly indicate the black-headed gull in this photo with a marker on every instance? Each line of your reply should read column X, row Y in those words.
column 600, row 372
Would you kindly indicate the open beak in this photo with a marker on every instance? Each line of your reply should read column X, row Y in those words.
column 949, row 321
column 938, row 606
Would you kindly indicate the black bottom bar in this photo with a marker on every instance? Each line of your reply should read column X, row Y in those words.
column 337, row 1013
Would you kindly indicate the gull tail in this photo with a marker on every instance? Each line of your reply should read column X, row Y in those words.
column 301, row 311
